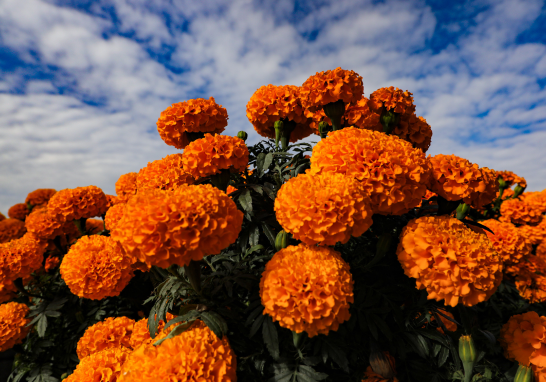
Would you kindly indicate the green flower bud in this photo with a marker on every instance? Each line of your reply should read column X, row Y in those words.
column 243, row 135
column 323, row 128
column 524, row 374
column 389, row 120
column 518, row 191
column 467, row 351
column 279, row 126
column 281, row 241
column 462, row 210
column 502, row 184
column 334, row 111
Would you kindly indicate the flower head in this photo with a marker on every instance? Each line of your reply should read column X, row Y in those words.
column 324, row 208
column 393, row 173
column 11, row 229
column 40, row 196
column 415, row 130
column 20, row 257
column 126, row 186
column 113, row 216
column 529, row 275
column 174, row 227
column 95, row 268
column 18, row 211
column 108, row 334
column 536, row 199
column 510, row 178
column 7, row 290
column 13, row 324
column 307, row 288
column 103, row 366
column 193, row 116
column 141, row 332
column 51, row 263
column 535, row 234
column 44, row 225
column 518, row 211
column 393, row 99
column 448, row 259
column 523, row 339
column 76, row 203
column 163, row 174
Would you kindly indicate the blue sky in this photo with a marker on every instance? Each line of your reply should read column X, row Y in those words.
column 82, row 83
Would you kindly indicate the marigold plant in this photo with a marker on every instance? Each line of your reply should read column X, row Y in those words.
column 518, row 211
column 111, row 333
column 113, row 216
column 193, row 116
column 448, row 259
column 126, row 186
column 20, row 257
column 392, row 172
column 164, row 174
column 95, row 268
column 76, row 203
column 40, row 196
column 11, row 229
column 323, row 209
column 18, row 211
column 523, row 339
column 307, row 288
column 13, row 324
column 103, row 366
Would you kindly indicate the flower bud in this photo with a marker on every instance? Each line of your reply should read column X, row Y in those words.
column 467, row 351
column 334, row 111
column 281, row 241
column 389, row 119
column 524, row 374
column 243, row 135
column 279, row 125
column 462, row 210
column 518, row 191
column 502, row 184
column 323, row 128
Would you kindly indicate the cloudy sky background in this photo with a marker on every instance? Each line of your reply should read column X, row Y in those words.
column 83, row 82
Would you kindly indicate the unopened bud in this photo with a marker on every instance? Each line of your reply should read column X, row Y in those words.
column 279, row 126
column 524, row 374
column 323, row 129
column 243, row 135
column 462, row 210
column 467, row 351
column 334, row 111
column 281, row 241
column 502, row 184
column 518, row 191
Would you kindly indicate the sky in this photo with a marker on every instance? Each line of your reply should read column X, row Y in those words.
column 82, row 83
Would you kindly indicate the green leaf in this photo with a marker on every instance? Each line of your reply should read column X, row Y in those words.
column 442, row 358
column 215, row 322
column 254, row 236
column 434, row 335
column 57, row 304
column 192, row 315
column 41, row 325
column 260, row 164
column 269, row 233
column 382, row 326
column 246, row 200
column 271, row 337
column 267, row 161
column 308, row 374
column 176, row 331
column 256, row 325
column 336, row 353
column 254, row 248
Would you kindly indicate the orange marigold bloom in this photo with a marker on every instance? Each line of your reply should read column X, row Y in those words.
column 331, row 86
column 40, row 196
column 2, row 217
column 110, row 333
column 230, row 189
column 11, row 229
column 18, row 211
column 415, row 130
column 450, row 325
column 43, row 224
column 535, row 234
column 536, row 199
column 392, row 172
column 193, row 116
column 506, row 194
column 164, row 174
column 541, row 249
column 7, row 290
column 95, row 268
column 141, row 332
column 394, row 99
column 214, row 153
column 76, row 203
column 126, row 186
column 103, row 366
column 509, row 243
column 323, row 209
column 523, row 339
column 112, row 200
column 448, row 259
column 20, row 257
column 530, row 278
column 13, row 324
column 195, row 355
column 518, row 211
column 307, row 289
column 174, row 227
column 271, row 103
column 51, row 263
column 113, row 216
column 510, row 178
column 94, row 226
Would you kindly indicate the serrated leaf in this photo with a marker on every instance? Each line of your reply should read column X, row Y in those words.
column 308, row 374
column 186, row 317
column 175, row 332
column 260, row 164
column 52, row 313
column 434, row 335
column 57, row 304
column 215, row 322
column 152, row 322
column 442, row 358
column 383, row 327
column 41, row 325
column 267, row 161
column 269, row 233
column 271, row 337
column 246, row 200
column 436, row 349
column 254, row 236
column 255, row 313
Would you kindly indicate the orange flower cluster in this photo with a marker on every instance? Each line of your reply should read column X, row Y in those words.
column 510, row 178
column 307, row 289
column 44, row 225
column 11, row 229
column 112, row 200
column 536, row 199
column 394, row 99
column 113, row 216
column 20, row 257
column 103, row 366
column 392, row 172
column 455, row 178
column 529, row 276
column 126, row 186
column 163, row 174
column 271, row 103
column 40, row 196
column 415, row 130
column 523, row 339
column 18, row 211
column 331, row 86
column 518, row 211
column 108, row 334
column 7, row 290
column 51, row 263
column 323, row 209
column 195, row 355
column 193, row 116
column 174, row 227
column 76, row 203
column 95, row 268
column 450, row 260
column 535, row 234
column 208, row 156
column 509, row 243
column 13, row 324
column 507, row 194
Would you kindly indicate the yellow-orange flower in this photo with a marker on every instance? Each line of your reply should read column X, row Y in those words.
column 20, row 257
column 13, row 324
column 141, row 332
column 230, row 189
column 2, row 217
column 174, row 227
column 415, row 130
column 164, row 174
column 76, row 203
column 529, row 275
column 535, row 234
column 536, row 199
column 193, row 116
column 523, row 339
column 195, row 355
column 331, row 86
column 126, row 186
column 271, row 103
column 392, row 172
column 307, row 289
column 40, row 196
column 324, row 208
column 541, row 250
column 394, row 99
column 113, row 216
column 510, row 178
column 518, row 211
column 108, row 334
column 95, row 268
column 448, row 259
column 18, row 211
column 214, row 153
column 103, row 366
column 7, row 290
column 11, row 229
column 43, row 224
column 51, row 263
column 506, row 194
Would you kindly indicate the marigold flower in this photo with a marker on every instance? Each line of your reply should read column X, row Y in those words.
column 506, row 194
column 113, row 216
column 44, row 225
column 510, row 178
column 103, row 366
column 13, row 324
column 94, row 226
column 76, row 203
column 271, row 103
column 195, row 355
column 529, row 275
column 371, row 376
column 193, row 116
column 518, row 211
column 11, row 229
column 535, row 234
column 18, row 211
column 141, row 332
column 110, row 333
column 541, row 249
column 7, row 290
column 448, row 259
column 324, row 208
column 307, row 289
column 95, row 268
column 450, row 325
column 536, row 199
column 415, row 130
column 230, row 189
column 51, row 263
column 126, row 186
column 2, row 217
column 20, row 257
column 394, row 99
column 164, row 174
column 331, row 86
column 208, row 156
column 174, row 227
column 392, row 172
column 523, row 339
column 112, row 200
column 40, row 196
